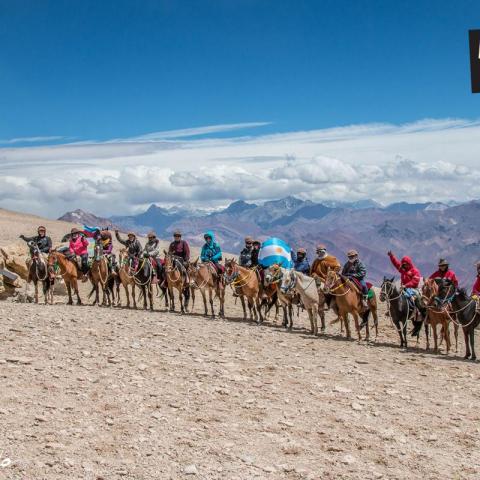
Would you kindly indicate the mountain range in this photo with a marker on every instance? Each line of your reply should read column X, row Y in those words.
column 425, row 231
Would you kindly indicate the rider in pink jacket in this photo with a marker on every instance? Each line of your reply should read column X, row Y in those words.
column 79, row 246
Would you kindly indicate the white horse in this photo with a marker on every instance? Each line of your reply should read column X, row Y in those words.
column 305, row 286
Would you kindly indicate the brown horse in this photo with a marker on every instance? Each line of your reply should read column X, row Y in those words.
column 438, row 315
column 176, row 275
column 203, row 276
column 100, row 276
column 245, row 284
column 38, row 272
column 125, row 275
column 68, row 270
column 349, row 301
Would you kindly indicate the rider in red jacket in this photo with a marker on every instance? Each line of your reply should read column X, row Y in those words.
column 444, row 272
column 410, row 279
column 409, row 273
column 476, row 285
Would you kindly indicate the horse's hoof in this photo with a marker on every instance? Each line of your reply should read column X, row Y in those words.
column 466, row 357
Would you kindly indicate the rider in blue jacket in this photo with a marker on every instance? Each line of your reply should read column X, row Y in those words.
column 300, row 262
column 211, row 251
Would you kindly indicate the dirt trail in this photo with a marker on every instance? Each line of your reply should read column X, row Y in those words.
column 96, row 393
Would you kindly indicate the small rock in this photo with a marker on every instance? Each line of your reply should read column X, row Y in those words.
column 190, row 470
column 348, row 459
column 246, row 459
column 20, row 360
column 340, row 389
column 356, row 406
column 142, row 367
column 113, row 360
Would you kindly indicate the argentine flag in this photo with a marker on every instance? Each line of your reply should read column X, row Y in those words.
column 274, row 250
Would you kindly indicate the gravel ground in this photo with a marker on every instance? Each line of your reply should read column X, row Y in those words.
column 98, row 393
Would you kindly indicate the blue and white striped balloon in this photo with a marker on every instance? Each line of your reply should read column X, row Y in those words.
column 274, row 250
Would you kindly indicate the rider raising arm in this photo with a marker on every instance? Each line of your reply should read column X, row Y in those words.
column 133, row 246
column 42, row 241
column 409, row 273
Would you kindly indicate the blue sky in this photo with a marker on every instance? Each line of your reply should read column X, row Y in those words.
column 99, row 70
column 112, row 106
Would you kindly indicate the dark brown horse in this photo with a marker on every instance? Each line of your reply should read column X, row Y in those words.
column 38, row 272
column 176, row 275
column 69, row 270
column 100, row 277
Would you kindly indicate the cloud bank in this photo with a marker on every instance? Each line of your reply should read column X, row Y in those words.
column 421, row 161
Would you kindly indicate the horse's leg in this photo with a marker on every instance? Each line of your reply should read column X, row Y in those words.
column 357, row 325
column 375, row 320
column 435, row 339
column 250, row 307
column 285, row 317
column 427, row 322
column 321, row 313
column 127, row 294
column 204, row 298
column 210, row 300
column 404, row 331
column 180, row 297
column 172, row 298
column 367, row 327
column 144, row 293
column 221, row 299
column 472, row 342
column 75, row 287
column 69, row 291
column 242, row 299
column 446, row 329
column 290, row 313
column 455, row 331
column 259, row 310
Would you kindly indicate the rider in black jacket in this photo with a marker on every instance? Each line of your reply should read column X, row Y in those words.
column 134, row 248
column 42, row 241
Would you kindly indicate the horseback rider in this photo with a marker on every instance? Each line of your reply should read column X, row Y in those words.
column 245, row 259
column 444, row 272
column 323, row 263
column 79, row 247
column 211, row 252
column 133, row 246
column 320, row 267
column 179, row 248
column 476, row 285
column 256, row 244
column 300, row 261
column 356, row 270
column 152, row 250
column 409, row 280
column 104, row 238
column 41, row 240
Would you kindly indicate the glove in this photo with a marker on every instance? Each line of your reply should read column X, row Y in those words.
column 146, row 255
column 389, row 253
column 475, row 297
column 22, row 237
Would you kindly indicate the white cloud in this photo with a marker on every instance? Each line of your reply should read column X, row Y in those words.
column 12, row 141
column 426, row 160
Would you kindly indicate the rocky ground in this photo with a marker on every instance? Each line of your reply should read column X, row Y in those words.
column 97, row 393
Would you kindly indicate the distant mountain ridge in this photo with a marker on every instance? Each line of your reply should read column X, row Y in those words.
column 426, row 231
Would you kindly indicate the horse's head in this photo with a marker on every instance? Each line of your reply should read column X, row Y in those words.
column 331, row 281
column 273, row 274
column 288, row 280
column 430, row 289
column 192, row 267
column 387, row 288
column 230, row 266
column 446, row 289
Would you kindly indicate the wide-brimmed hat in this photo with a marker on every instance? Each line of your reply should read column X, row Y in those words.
column 248, row 239
column 151, row 235
column 41, row 228
column 443, row 263
column 352, row 253
column 177, row 233
column 131, row 234
column 321, row 246
column 74, row 230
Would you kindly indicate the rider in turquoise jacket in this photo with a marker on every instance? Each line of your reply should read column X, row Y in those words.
column 211, row 251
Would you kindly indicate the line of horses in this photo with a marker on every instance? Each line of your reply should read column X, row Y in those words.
column 258, row 291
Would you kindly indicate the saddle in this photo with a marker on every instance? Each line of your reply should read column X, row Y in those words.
column 358, row 286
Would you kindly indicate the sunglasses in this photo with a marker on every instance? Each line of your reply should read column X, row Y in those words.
column 176, row 236
column 248, row 243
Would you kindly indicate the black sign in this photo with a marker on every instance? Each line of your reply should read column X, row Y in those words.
column 474, row 36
